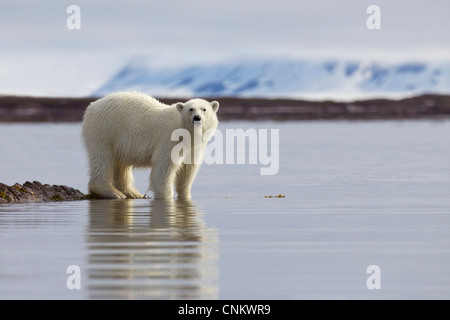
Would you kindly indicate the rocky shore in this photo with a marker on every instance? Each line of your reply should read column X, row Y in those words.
column 38, row 109
column 38, row 192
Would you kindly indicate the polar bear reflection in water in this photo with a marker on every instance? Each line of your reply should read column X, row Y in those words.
column 159, row 249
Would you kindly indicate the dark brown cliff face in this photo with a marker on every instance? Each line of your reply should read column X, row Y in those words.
column 38, row 192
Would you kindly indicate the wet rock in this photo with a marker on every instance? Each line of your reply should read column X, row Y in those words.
column 38, row 192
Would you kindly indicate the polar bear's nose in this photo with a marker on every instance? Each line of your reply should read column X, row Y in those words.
column 196, row 118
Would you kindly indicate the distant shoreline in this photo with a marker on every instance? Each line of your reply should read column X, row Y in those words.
column 49, row 109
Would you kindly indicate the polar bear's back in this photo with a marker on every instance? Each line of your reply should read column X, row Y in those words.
column 126, row 104
column 126, row 121
column 130, row 110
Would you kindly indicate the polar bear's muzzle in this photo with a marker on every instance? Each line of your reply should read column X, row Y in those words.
column 196, row 119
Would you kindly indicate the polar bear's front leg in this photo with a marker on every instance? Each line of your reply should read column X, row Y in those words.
column 161, row 180
column 184, row 180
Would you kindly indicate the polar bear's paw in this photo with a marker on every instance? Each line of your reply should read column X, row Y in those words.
column 109, row 193
column 118, row 195
column 133, row 194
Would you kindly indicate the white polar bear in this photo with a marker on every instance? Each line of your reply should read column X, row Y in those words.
column 128, row 129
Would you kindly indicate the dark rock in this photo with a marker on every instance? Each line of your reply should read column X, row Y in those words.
column 37, row 192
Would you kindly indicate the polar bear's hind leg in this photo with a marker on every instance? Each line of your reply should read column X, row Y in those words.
column 123, row 181
column 100, row 185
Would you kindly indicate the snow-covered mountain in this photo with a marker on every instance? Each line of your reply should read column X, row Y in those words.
column 330, row 79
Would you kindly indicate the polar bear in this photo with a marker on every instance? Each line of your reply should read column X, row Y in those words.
column 129, row 129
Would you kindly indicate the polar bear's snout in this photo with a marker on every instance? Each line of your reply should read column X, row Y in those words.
column 196, row 119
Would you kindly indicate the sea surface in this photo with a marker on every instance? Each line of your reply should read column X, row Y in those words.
column 364, row 214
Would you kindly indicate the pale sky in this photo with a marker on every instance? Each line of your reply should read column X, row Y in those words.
column 40, row 55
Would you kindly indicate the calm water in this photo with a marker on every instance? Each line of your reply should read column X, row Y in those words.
column 356, row 194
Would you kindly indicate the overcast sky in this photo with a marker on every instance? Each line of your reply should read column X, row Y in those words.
column 40, row 55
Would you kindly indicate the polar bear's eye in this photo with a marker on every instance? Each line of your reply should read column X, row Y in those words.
column 191, row 109
column 204, row 109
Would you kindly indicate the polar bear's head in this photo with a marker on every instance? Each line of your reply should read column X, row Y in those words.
column 198, row 112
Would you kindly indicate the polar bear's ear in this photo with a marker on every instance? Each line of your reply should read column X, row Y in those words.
column 215, row 106
column 180, row 106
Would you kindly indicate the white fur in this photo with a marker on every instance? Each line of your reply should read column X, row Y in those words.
column 127, row 129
